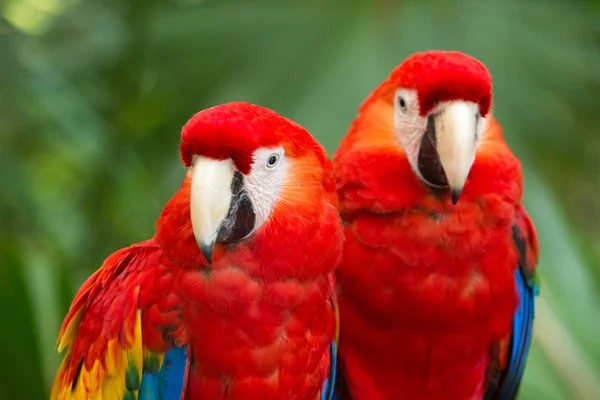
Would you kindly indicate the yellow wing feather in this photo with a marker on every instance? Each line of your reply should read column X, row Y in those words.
column 108, row 381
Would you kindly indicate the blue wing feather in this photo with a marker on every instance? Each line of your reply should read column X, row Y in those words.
column 148, row 388
column 505, row 386
column 172, row 374
column 328, row 392
column 521, row 339
column 168, row 382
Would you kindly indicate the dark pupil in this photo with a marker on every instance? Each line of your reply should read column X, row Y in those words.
column 402, row 103
column 272, row 160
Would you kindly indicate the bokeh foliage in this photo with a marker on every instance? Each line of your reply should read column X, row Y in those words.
column 93, row 95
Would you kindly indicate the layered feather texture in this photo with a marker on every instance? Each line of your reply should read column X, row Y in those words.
column 157, row 322
column 121, row 325
column 428, row 293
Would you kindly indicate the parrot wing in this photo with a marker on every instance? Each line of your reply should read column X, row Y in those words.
column 328, row 392
column 123, row 335
column 509, row 356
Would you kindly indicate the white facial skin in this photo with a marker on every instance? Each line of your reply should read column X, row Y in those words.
column 265, row 180
column 211, row 190
column 458, row 129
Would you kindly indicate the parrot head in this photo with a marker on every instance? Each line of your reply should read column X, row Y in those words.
column 440, row 101
column 247, row 165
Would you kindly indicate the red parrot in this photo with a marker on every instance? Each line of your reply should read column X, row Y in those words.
column 234, row 296
column 436, row 283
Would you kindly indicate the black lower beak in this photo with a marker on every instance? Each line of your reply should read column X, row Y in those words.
column 240, row 219
column 429, row 164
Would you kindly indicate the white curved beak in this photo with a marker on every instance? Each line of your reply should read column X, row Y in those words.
column 210, row 200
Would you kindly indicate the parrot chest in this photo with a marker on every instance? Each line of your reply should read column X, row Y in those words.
column 438, row 294
column 449, row 271
column 256, row 339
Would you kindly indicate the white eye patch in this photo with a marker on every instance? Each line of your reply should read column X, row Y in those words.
column 264, row 182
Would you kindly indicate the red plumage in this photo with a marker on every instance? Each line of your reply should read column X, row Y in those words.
column 258, row 321
column 426, row 288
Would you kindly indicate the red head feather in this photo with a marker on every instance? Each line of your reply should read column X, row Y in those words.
column 442, row 76
column 237, row 129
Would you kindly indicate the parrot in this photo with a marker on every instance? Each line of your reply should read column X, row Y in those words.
column 437, row 282
column 235, row 295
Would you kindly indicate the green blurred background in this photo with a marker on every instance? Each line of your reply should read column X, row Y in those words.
column 93, row 95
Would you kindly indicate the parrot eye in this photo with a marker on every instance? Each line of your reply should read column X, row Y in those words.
column 402, row 103
column 272, row 161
